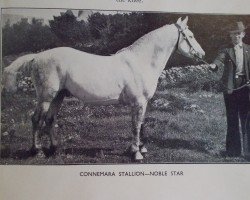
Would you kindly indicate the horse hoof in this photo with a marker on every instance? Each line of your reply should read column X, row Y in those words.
column 138, row 156
column 100, row 154
column 40, row 154
column 144, row 149
column 34, row 151
column 52, row 149
column 134, row 148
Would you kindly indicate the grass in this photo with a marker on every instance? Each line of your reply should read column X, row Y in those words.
column 190, row 128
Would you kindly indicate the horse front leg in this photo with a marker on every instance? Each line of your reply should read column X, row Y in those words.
column 144, row 141
column 138, row 113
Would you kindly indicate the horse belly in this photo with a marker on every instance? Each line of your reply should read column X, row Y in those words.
column 93, row 91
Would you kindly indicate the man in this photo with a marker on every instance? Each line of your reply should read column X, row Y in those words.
column 236, row 62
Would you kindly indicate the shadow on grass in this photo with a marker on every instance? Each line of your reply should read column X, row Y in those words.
column 196, row 145
column 90, row 152
column 20, row 154
column 23, row 154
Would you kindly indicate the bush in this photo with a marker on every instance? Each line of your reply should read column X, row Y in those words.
column 193, row 78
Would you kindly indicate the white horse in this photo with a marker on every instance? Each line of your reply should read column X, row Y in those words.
column 129, row 77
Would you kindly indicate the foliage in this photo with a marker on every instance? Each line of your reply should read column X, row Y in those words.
column 41, row 37
column 69, row 30
column 105, row 34
column 110, row 33
column 192, row 78
column 26, row 37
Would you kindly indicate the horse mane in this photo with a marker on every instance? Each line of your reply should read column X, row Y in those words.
column 138, row 42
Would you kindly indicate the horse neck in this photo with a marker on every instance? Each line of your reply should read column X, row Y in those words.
column 154, row 49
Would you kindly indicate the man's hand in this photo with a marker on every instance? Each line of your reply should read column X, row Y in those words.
column 213, row 67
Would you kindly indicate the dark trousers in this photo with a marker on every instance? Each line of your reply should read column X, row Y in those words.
column 237, row 109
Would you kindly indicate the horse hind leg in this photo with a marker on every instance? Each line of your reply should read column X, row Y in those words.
column 37, row 123
column 50, row 119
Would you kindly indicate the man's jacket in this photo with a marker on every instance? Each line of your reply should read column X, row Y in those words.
column 226, row 58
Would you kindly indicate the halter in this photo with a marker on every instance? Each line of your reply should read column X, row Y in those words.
column 181, row 31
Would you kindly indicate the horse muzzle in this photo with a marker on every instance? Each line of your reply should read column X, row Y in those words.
column 198, row 54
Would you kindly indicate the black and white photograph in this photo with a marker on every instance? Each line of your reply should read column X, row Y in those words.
column 120, row 87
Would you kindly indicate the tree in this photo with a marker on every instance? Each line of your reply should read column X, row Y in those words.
column 25, row 37
column 7, row 39
column 41, row 37
column 97, row 22
column 70, row 31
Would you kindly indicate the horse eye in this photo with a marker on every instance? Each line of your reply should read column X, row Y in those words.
column 190, row 36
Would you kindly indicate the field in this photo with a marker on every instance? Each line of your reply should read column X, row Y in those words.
column 183, row 124
column 181, row 127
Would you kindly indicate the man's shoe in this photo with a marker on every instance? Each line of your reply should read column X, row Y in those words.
column 230, row 154
column 247, row 155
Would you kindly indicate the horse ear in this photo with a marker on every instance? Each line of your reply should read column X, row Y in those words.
column 185, row 20
column 179, row 21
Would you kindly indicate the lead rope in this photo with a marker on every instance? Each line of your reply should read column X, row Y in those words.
column 200, row 59
column 236, row 89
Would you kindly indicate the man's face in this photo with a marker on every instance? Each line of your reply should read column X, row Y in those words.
column 236, row 37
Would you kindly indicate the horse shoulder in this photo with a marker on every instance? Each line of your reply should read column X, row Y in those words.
column 139, row 76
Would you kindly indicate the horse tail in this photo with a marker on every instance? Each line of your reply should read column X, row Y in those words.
column 21, row 65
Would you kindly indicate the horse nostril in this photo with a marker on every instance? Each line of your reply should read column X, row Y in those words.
column 198, row 55
column 201, row 55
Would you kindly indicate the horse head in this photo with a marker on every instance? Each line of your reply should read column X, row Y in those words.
column 187, row 44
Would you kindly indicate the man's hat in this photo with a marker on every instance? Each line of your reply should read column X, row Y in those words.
column 237, row 27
